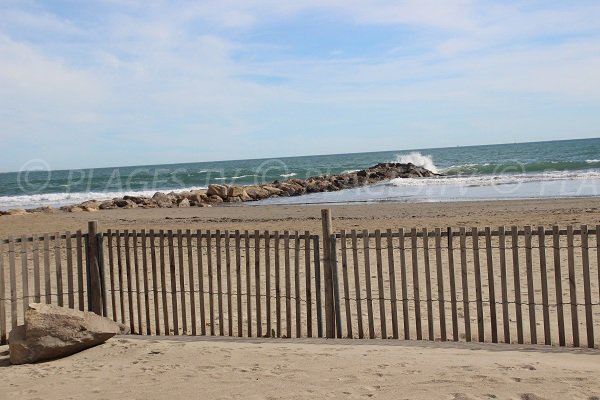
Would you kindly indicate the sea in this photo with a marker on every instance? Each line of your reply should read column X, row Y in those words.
column 551, row 169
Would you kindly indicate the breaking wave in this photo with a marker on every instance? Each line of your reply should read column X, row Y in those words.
column 418, row 159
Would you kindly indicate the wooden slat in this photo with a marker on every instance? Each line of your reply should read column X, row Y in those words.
column 317, row 262
column 587, row 288
column 257, row 279
column 238, row 274
column 558, row 286
column 145, row 279
column 369, row 297
column 3, row 333
column 357, row 286
column 220, row 283
column 478, row 287
column 173, row 275
column 440, row 284
column 297, row 284
column 544, row 281
column 36, row 270
column 465, row 283
column 530, row 289
column 268, row 296
column 155, row 291
column 211, row 291
column 346, row 285
column 228, row 279
column 336, row 287
column 80, row 287
column 70, row 283
column 429, row 297
column 491, row 284
column 24, row 275
column 129, row 283
column 572, row 286
column 277, row 287
column 191, row 280
column 13, row 283
column 416, row 285
column 517, row 283
column 59, row 274
column 598, row 258
column 163, row 281
column 504, row 285
column 47, row 279
column 403, row 273
column 101, row 273
column 308, row 283
column 380, row 287
column 184, row 327
column 111, row 272
column 452, row 276
column 129, row 286
column 288, row 287
column 248, row 284
column 120, row 277
column 392, row 279
column 201, row 287
column 138, row 294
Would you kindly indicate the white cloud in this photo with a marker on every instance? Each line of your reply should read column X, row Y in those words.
column 167, row 76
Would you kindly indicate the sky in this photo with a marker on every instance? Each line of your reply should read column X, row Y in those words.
column 133, row 82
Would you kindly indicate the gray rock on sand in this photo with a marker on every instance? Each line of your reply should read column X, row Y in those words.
column 52, row 332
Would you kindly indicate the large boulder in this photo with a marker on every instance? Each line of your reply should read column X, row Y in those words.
column 52, row 332
column 163, row 200
column 184, row 203
column 238, row 192
column 217, row 190
column 257, row 192
column 273, row 191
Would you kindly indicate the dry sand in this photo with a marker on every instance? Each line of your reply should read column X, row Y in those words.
column 212, row 368
column 136, row 367
column 302, row 217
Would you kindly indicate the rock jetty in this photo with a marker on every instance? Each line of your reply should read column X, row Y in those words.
column 218, row 194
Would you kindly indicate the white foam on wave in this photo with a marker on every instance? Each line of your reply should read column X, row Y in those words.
column 418, row 159
column 288, row 175
column 592, row 161
column 490, row 180
column 63, row 199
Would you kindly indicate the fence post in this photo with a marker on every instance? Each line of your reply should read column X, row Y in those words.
column 95, row 285
column 329, row 306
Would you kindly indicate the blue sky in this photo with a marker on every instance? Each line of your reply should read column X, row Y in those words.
column 126, row 82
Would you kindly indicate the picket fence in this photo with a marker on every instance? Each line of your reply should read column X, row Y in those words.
column 505, row 285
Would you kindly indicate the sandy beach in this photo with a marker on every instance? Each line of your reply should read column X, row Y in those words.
column 213, row 368
column 547, row 212
column 229, row 368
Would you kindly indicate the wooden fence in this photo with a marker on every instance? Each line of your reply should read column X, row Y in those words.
column 506, row 285
column 511, row 285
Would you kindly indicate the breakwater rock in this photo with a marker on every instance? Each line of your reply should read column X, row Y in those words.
column 218, row 194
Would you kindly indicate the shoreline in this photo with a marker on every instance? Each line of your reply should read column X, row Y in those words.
column 301, row 217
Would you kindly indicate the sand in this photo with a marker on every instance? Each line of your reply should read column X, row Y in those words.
column 546, row 212
column 212, row 368
column 137, row 367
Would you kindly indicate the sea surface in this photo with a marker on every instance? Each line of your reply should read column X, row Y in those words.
column 567, row 168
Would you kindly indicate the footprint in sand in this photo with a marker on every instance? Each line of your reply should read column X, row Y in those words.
column 529, row 367
column 531, row 396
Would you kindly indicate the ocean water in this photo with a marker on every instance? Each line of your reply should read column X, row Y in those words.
column 506, row 171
